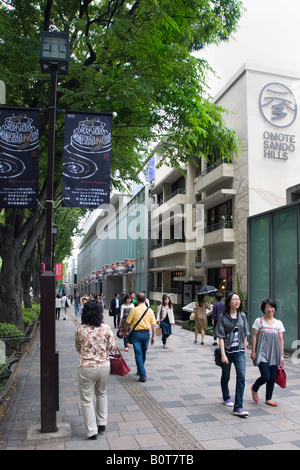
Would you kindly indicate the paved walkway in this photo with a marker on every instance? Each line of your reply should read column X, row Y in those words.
column 178, row 408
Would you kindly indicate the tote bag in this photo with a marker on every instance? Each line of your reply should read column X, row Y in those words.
column 118, row 365
column 280, row 377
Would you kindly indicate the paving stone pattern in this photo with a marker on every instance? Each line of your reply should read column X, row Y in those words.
column 179, row 407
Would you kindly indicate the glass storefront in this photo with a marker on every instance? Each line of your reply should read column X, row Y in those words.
column 122, row 239
column 221, row 278
column 273, row 267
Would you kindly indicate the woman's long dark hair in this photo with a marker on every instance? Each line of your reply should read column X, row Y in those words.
column 164, row 297
column 92, row 313
column 227, row 303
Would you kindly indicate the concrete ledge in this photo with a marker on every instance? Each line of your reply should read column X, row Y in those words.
column 34, row 432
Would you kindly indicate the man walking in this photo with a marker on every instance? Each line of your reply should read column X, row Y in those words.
column 77, row 302
column 144, row 319
column 114, row 310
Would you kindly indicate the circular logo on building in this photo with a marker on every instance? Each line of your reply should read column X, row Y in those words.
column 278, row 105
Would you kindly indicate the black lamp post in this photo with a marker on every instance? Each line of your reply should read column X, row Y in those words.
column 54, row 59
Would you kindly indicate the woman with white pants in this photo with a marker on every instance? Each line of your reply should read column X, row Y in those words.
column 93, row 340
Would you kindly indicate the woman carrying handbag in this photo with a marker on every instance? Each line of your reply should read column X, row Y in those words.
column 165, row 318
column 94, row 341
column 267, row 350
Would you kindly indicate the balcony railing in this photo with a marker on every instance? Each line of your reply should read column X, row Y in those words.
column 218, row 226
column 178, row 191
column 168, row 290
column 168, row 242
column 212, row 167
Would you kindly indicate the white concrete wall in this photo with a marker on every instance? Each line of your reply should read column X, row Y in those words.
column 271, row 171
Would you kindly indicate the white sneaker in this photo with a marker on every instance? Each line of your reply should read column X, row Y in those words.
column 241, row 412
column 228, row 403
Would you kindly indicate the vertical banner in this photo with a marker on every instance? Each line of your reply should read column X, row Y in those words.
column 59, row 268
column 86, row 161
column 19, row 157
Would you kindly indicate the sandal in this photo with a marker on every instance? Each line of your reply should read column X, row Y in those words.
column 270, row 403
column 256, row 399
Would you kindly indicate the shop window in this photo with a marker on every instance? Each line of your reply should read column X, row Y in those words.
column 178, row 184
column 221, row 278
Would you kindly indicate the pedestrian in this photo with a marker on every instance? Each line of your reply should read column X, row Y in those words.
column 94, row 340
column 80, row 308
column 147, row 300
column 232, row 330
column 132, row 295
column 114, row 310
column 57, row 306
column 199, row 310
column 99, row 299
column 125, row 309
column 218, row 308
column 165, row 318
column 267, row 349
column 122, row 299
column 65, row 303
column 77, row 303
column 144, row 319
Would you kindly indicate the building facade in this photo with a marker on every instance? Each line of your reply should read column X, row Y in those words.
column 112, row 254
column 196, row 230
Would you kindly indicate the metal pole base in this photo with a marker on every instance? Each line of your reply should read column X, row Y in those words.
column 49, row 358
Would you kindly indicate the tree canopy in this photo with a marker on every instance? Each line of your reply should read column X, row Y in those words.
column 134, row 58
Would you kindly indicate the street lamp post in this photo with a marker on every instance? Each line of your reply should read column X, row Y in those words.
column 54, row 58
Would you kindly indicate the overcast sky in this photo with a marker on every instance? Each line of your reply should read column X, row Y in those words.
column 268, row 34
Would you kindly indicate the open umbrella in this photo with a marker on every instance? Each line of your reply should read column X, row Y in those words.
column 207, row 290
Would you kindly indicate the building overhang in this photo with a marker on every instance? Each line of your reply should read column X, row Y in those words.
column 178, row 267
column 168, row 178
column 218, row 263
column 218, row 197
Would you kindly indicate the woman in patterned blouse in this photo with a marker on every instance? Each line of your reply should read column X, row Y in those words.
column 93, row 340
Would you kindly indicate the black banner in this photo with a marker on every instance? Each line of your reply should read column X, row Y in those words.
column 87, row 158
column 19, row 157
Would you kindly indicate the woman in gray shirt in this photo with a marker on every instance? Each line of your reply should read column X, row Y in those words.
column 232, row 330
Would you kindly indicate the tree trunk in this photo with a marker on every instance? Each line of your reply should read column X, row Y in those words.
column 26, row 282
column 10, row 283
column 17, row 241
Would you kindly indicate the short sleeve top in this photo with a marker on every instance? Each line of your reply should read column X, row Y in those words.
column 268, row 347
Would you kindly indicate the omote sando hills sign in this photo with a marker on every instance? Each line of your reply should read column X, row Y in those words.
column 278, row 107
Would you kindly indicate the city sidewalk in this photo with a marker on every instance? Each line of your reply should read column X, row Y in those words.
column 178, row 408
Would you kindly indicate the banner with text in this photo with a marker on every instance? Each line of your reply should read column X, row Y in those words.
column 19, row 157
column 87, row 159
column 59, row 269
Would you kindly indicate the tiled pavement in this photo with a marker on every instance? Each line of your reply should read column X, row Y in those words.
column 178, row 408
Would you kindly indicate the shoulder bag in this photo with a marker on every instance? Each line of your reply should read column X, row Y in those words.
column 129, row 335
column 158, row 330
column 217, row 351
